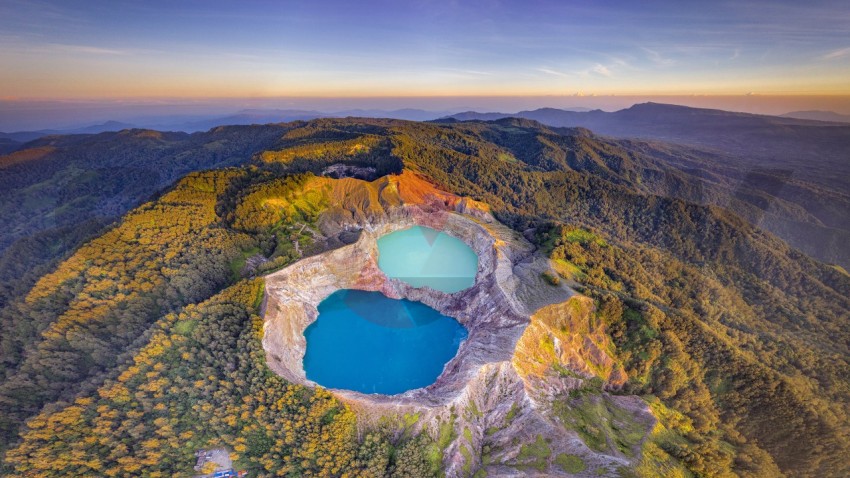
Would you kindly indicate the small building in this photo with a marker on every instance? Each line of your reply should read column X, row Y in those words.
column 202, row 457
column 216, row 463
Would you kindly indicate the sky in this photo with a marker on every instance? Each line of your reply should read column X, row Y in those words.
column 184, row 49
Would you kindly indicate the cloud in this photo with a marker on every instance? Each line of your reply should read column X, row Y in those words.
column 836, row 54
column 20, row 45
column 601, row 70
column 597, row 70
column 85, row 49
column 656, row 57
column 463, row 73
column 552, row 72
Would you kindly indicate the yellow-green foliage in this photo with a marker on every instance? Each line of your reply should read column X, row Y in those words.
column 570, row 463
column 657, row 462
column 599, row 422
column 337, row 150
column 238, row 264
column 571, row 248
column 163, row 255
column 192, row 379
column 669, row 433
column 567, row 269
column 282, row 201
column 473, row 410
column 410, row 419
column 573, row 234
column 547, row 347
column 512, row 413
column 467, row 459
column 197, row 387
column 199, row 378
column 551, row 278
column 535, row 454
column 669, row 418
column 447, row 433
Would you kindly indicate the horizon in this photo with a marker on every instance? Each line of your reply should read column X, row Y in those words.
column 217, row 52
column 34, row 115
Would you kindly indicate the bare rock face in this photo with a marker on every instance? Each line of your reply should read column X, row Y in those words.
column 495, row 395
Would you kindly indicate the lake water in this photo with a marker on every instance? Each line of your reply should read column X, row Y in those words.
column 422, row 256
column 367, row 342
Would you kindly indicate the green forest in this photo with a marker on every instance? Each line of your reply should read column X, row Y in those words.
column 130, row 328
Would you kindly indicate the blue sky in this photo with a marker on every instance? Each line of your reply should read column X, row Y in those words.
column 121, row 49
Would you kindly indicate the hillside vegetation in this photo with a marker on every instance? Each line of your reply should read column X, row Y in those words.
column 58, row 191
column 787, row 175
column 143, row 343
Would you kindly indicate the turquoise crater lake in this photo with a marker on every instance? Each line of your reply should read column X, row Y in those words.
column 367, row 342
column 422, row 256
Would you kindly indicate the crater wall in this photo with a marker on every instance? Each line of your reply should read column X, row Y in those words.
column 498, row 390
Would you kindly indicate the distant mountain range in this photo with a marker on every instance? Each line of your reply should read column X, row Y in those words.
column 692, row 126
column 25, row 136
column 818, row 115
column 756, row 141
column 190, row 124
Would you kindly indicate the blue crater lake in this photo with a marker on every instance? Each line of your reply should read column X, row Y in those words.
column 367, row 342
column 422, row 256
